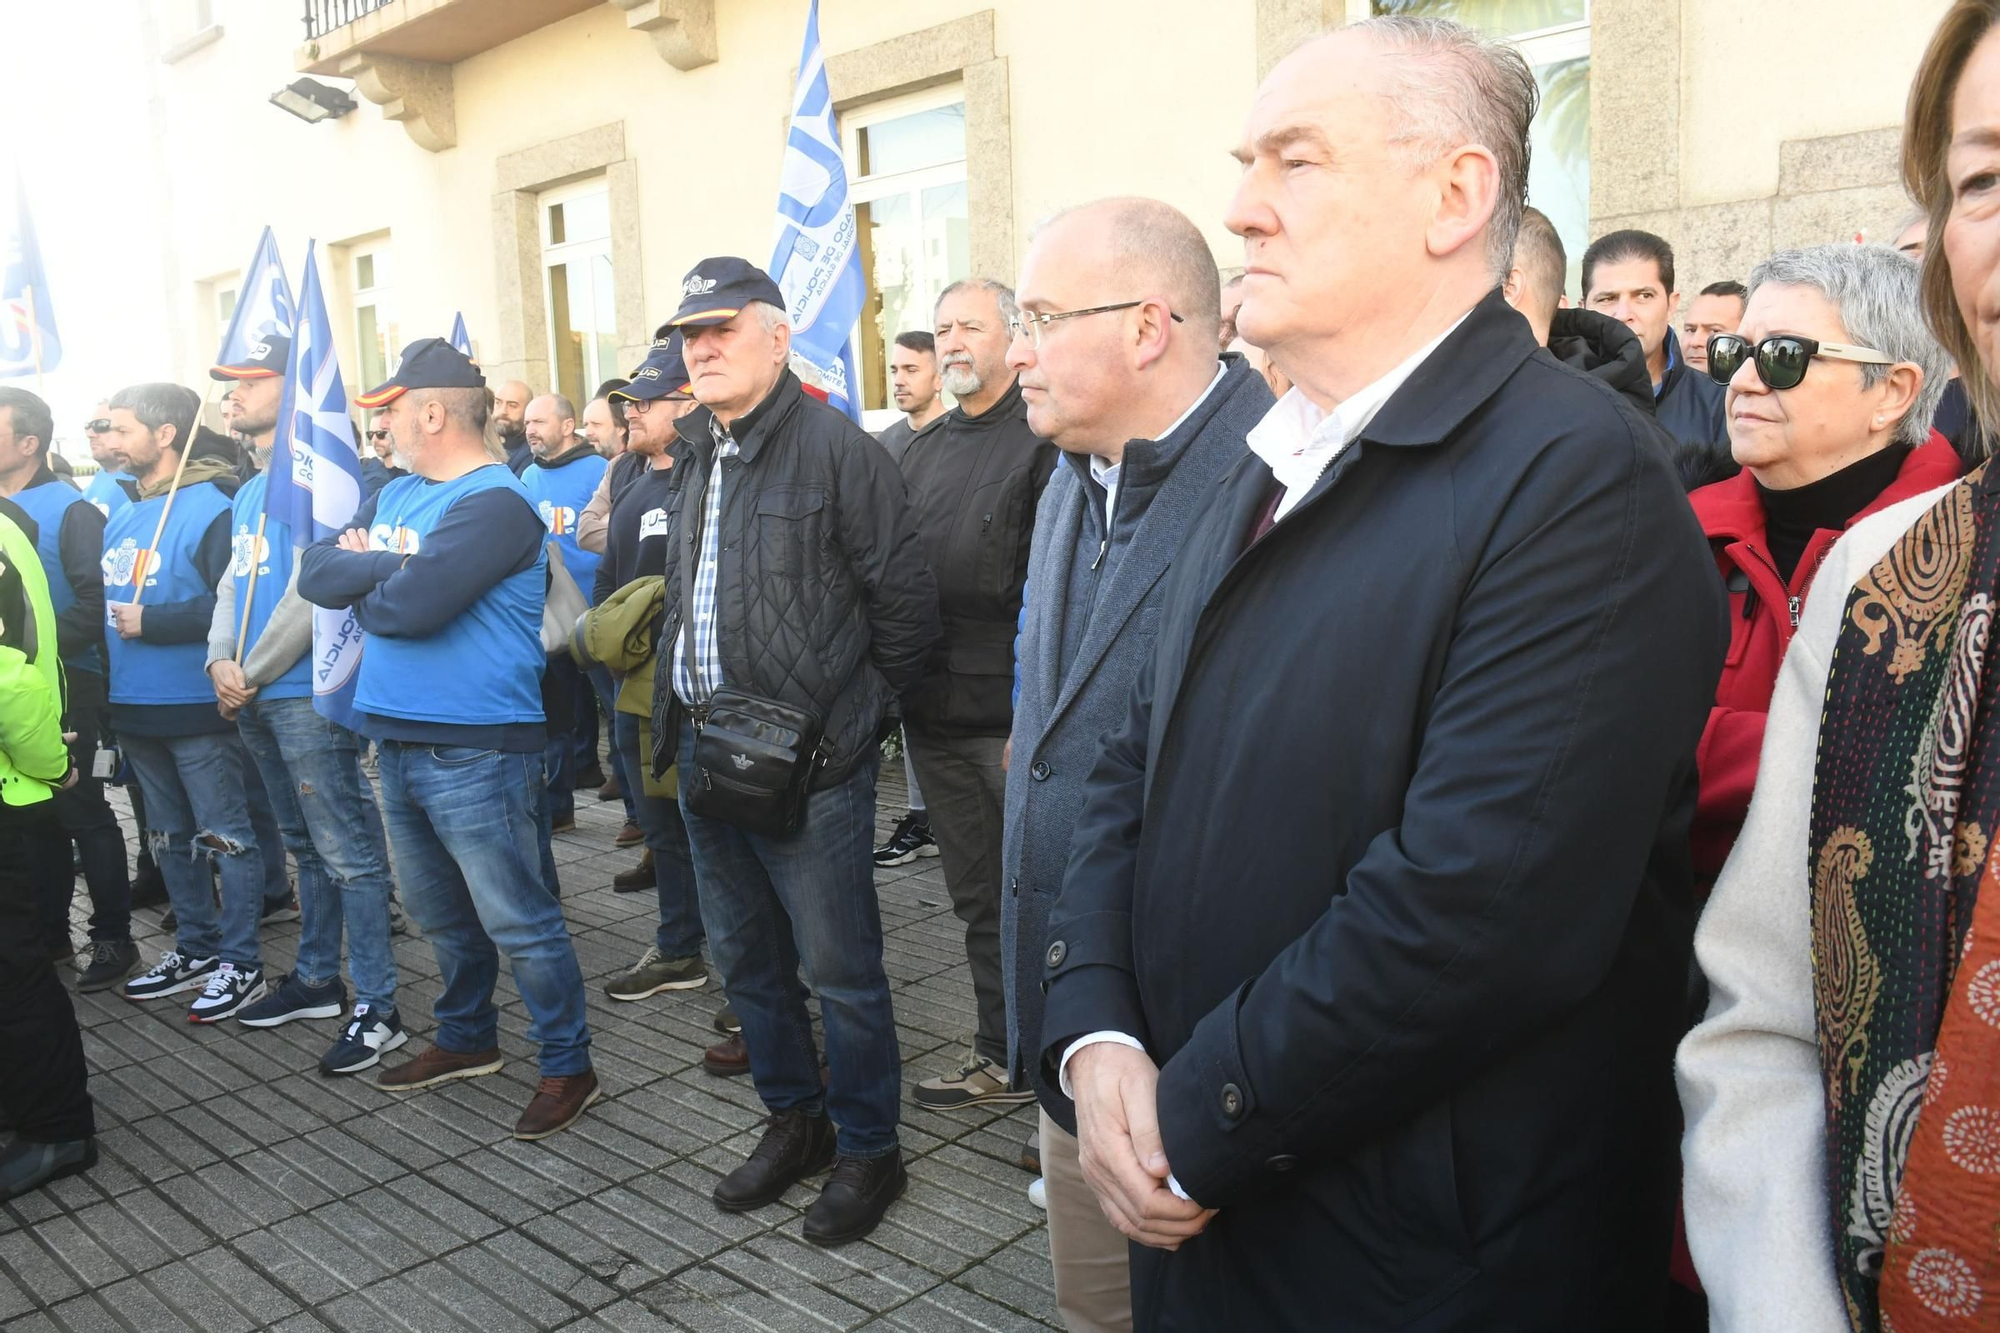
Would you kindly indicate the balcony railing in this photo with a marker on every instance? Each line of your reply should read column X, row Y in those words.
column 323, row 16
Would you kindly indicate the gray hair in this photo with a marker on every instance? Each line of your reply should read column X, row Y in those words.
column 1153, row 243
column 1002, row 294
column 1874, row 291
column 1452, row 87
column 768, row 315
column 158, row 404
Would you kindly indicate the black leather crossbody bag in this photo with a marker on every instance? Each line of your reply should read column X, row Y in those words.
column 754, row 761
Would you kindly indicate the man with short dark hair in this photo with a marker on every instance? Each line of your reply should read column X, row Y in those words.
column 444, row 570
column 70, row 541
column 1717, row 309
column 260, row 665
column 187, row 757
column 800, row 581
column 1629, row 275
column 913, row 378
column 1596, row 344
column 974, row 481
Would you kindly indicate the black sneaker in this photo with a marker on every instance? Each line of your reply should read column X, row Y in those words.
column 370, row 1035
column 279, row 909
column 911, row 840
column 148, row 889
column 111, row 961
column 294, row 999
column 229, row 991
column 174, row 973
column 170, row 921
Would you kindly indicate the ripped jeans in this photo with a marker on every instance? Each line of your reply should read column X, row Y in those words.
column 196, row 811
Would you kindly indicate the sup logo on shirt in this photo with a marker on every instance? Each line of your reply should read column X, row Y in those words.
column 125, row 562
column 247, row 548
column 652, row 523
column 559, row 519
column 397, row 538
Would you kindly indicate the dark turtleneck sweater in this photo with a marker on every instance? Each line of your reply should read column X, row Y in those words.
column 1791, row 517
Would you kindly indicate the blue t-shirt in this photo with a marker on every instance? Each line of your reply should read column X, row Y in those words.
column 273, row 558
column 560, row 495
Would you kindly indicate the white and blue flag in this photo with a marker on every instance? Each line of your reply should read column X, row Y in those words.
column 315, row 486
column 460, row 339
column 28, row 341
column 817, row 262
column 263, row 306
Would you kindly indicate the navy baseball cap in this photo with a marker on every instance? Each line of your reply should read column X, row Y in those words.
column 428, row 363
column 716, row 289
column 662, row 373
column 268, row 356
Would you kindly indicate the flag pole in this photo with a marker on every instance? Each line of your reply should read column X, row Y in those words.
column 35, row 337
column 250, row 593
column 173, row 489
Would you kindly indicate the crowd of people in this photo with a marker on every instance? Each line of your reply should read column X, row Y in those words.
column 1381, row 723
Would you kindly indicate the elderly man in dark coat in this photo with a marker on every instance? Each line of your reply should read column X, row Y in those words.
column 1148, row 420
column 1372, row 948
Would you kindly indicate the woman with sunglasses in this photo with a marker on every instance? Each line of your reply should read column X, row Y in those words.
column 1831, row 381
column 1842, row 1096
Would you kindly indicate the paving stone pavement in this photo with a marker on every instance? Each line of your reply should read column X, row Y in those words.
column 237, row 1189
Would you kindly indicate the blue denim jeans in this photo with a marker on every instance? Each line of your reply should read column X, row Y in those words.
column 270, row 814
column 771, row 904
column 559, row 761
column 464, row 826
column 679, row 935
column 312, row 766
column 197, row 812
column 607, row 693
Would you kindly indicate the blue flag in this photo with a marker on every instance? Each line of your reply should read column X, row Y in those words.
column 28, row 341
column 460, row 339
column 315, row 486
column 816, row 262
column 263, row 305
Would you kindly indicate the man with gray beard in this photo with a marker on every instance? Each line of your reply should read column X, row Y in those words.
column 975, row 479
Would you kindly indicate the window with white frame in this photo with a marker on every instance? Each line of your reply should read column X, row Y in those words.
column 579, row 287
column 1554, row 37
column 375, row 339
column 906, row 176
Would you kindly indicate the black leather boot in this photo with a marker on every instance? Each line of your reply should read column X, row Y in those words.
column 29, row 1166
column 796, row 1145
column 859, row 1192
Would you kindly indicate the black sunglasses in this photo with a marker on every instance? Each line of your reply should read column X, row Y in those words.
column 97, row 427
column 1782, row 360
column 377, row 434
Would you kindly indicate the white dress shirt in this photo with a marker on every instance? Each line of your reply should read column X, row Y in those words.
column 1298, row 442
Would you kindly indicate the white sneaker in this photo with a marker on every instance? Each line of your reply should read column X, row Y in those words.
column 229, row 988
column 174, row 973
column 1038, row 1193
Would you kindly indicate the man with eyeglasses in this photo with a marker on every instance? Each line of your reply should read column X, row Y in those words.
column 975, row 479
column 1147, row 420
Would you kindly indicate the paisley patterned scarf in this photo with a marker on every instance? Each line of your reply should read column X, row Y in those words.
column 1906, row 927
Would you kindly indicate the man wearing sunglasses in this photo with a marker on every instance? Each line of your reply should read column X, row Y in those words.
column 112, row 488
column 378, row 458
column 975, row 478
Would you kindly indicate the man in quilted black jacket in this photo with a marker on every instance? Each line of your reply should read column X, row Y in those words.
column 798, row 578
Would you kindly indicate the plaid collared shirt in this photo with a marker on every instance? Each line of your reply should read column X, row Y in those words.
column 698, row 673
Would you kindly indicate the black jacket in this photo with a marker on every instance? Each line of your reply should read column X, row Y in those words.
column 1388, row 867
column 974, row 483
column 1605, row 347
column 823, row 599
column 1689, row 403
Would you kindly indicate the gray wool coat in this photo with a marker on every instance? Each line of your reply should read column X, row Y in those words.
column 1068, row 700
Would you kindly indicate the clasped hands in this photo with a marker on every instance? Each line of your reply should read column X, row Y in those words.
column 1123, row 1159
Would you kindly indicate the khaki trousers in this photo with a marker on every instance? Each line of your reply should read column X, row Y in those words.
column 1091, row 1260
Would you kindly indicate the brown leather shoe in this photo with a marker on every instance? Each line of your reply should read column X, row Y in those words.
column 629, row 836
column 639, row 877
column 611, row 790
column 437, row 1065
column 727, row 1059
column 556, row 1105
